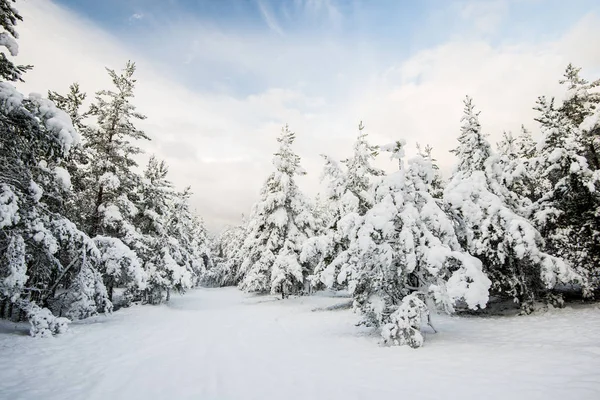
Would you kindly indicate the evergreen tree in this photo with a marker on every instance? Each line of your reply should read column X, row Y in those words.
column 579, row 104
column 45, row 254
column 360, row 172
column 406, row 251
column 348, row 196
column 513, row 171
column 490, row 226
column 9, row 17
column 567, row 201
column 279, row 224
column 77, row 163
column 229, row 257
column 112, row 181
column 175, row 249
column 46, row 260
column 437, row 182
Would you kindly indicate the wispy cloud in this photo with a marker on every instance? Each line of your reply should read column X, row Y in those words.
column 269, row 18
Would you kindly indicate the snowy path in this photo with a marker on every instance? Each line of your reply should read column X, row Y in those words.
column 222, row 344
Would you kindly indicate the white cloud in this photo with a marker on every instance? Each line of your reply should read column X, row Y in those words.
column 136, row 17
column 222, row 144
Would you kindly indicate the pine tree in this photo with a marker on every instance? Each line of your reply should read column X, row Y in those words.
column 513, row 171
column 112, row 182
column 278, row 226
column 565, row 209
column 46, row 254
column 71, row 104
column 490, row 225
column 228, row 257
column 175, row 251
column 112, row 150
column 580, row 103
column 190, row 247
column 437, row 182
column 360, row 172
column 405, row 252
column 9, row 17
column 77, row 163
column 46, row 260
column 348, row 196
column 323, row 248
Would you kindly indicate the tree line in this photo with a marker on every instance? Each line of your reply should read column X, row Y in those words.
column 520, row 221
column 82, row 229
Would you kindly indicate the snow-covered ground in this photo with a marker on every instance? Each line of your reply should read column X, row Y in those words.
column 222, row 344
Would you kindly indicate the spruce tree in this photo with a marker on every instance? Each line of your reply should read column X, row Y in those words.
column 175, row 251
column 406, row 254
column 112, row 181
column 46, row 254
column 491, row 226
column 228, row 257
column 77, row 163
column 278, row 226
column 9, row 17
column 47, row 265
column 348, row 197
column 566, row 204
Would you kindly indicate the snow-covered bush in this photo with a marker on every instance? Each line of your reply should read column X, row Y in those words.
column 44, row 323
column 405, row 323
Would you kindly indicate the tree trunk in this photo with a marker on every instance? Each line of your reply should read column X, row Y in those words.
column 96, row 217
column 109, row 288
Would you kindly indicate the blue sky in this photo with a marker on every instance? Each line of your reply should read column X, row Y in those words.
column 373, row 32
column 218, row 78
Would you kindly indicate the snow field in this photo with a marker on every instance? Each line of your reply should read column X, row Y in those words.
column 223, row 344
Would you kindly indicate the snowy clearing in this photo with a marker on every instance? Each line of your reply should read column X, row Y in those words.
column 223, row 344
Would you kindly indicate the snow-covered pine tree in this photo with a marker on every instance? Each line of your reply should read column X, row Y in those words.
column 490, row 226
column 580, row 107
column 112, row 150
column 437, row 183
column 329, row 242
column 568, row 199
column 526, row 146
column 513, row 170
column 406, row 252
column 359, row 171
column 348, row 196
column 112, row 181
column 9, row 16
column 71, row 104
column 176, row 249
column 45, row 254
column 46, row 261
column 77, row 162
column 155, row 195
column 189, row 241
column 278, row 226
column 228, row 257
